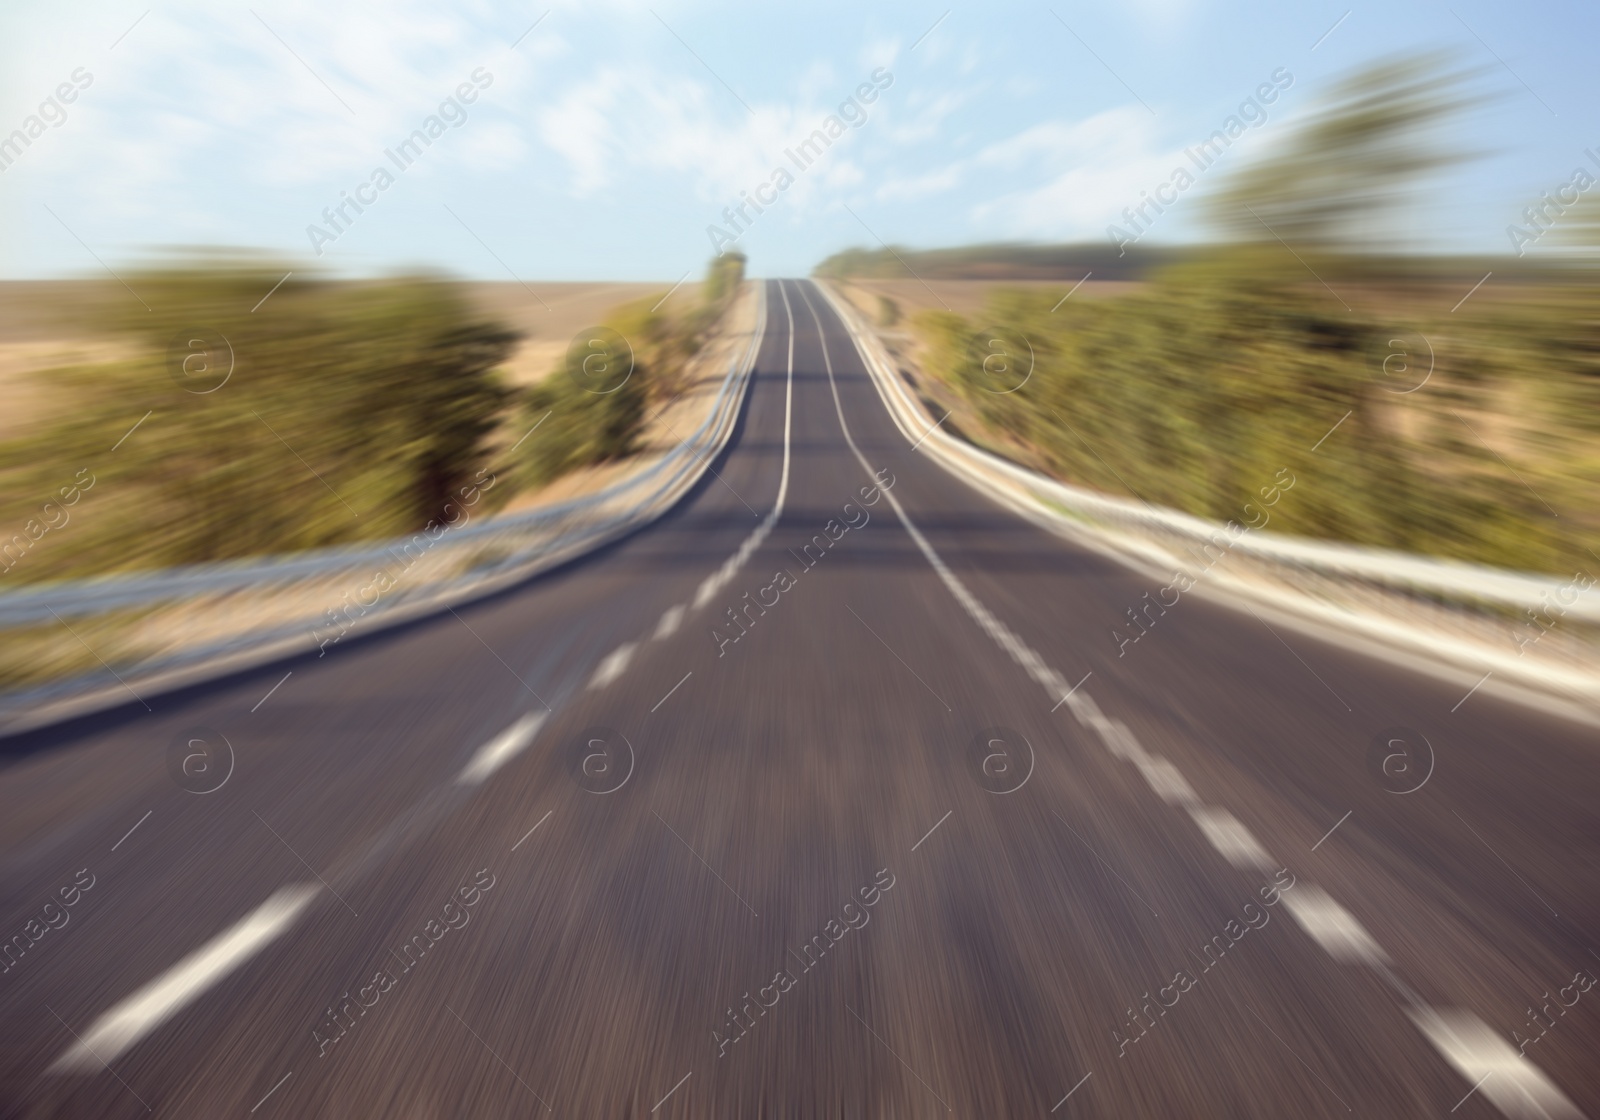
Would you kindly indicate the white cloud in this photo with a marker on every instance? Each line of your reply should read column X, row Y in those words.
column 923, row 115
column 620, row 125
column 1089, row 169
column 907, row 187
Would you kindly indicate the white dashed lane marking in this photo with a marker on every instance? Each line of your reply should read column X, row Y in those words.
column 145, row 1010
column 670, row 621
column 1333, row 927
column 1121, row 741
column 501, row 749
column 1168, row 783
column 1232, row 839
column 1515, row 1085
column 613, row 666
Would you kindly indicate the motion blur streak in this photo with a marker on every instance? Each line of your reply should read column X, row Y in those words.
column 145, row 1010
column 1025, row 930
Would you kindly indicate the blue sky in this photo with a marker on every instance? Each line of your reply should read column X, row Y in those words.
column 613, row 134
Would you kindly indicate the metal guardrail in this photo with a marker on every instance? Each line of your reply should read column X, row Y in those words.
column 255, row 610
column 1466, row 613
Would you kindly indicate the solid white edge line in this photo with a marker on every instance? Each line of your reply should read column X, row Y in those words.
column 1019, row 651
column 719, row 578
column 1438, row 657
column 145, row 1010
column 1463, row 1039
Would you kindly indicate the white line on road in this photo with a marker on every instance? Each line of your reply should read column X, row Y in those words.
column 1167, row 781
column 1031, row 662
column 1075, row 688
column 719, row 578
column 501, row 749
column 152, row 1005
column 1468, row 1043
column 1472, row 1046
column 670, row 621
column 1232, row 839
column 1331, row 926
column 614, row 665
column 108, row 1069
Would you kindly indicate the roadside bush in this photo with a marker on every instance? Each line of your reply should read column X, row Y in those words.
column 580, row 424
column 353, row 411
column 1196, row 391
column 723, row 276
column 577, row 427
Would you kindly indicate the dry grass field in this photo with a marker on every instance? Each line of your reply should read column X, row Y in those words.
column 549, row 315
column 50, row 324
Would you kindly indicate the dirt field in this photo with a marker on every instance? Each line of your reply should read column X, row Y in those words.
column 549, row 315
column 38, row 333
column 46, row 325
column 669, row 426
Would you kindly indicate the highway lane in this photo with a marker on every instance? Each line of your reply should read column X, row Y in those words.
column 345, row 749
column 628, row 948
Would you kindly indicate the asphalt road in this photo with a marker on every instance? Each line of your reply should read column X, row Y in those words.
column 861, row 861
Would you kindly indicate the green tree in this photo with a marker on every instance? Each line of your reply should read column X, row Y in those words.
column 723, row 276
column 335, row 412
column 1345, row 178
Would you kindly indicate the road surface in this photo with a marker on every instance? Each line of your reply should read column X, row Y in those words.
column 589, row 848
